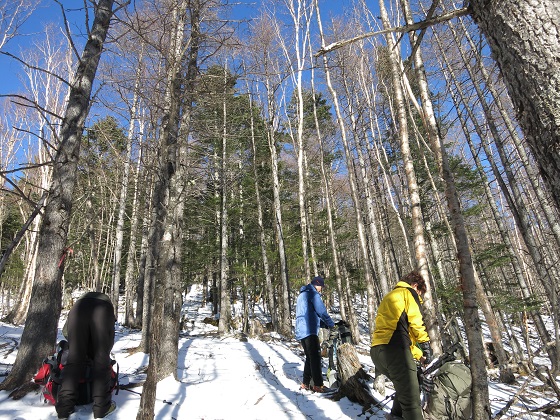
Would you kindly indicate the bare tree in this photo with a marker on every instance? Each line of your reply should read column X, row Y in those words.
column 272, row 75
column 13, row 14
column 39, row 332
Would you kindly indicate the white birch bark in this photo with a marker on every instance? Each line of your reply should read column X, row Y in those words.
column 353, row 187
column 262, row 233
column 119, row 229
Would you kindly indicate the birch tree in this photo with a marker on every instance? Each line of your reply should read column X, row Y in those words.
column 368, row 275
column 271, row 70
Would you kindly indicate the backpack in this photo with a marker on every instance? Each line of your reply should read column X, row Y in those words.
column 449, row 395
column 51, row 373
column 338, row 336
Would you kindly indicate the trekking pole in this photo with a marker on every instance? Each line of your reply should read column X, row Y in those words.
column 447, row 356
column 140, row 394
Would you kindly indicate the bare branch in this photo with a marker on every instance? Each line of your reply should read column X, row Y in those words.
column 405, row 28
column 15, row 57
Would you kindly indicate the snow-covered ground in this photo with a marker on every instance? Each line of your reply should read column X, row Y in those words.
column 229, row 378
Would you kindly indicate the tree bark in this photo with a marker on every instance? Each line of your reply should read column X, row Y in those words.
column 39, row 334
column 524, row 36
column 366, row 263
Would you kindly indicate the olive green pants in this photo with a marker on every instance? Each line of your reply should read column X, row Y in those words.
column 398, row 365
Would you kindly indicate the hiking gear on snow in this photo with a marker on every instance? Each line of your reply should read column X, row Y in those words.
column 318, row 281
column 305, row 387
column 321, row 389
column 311, row 313
column 426, row 352
column 112, row 407
column 91, row 334
column 52, row 371
column 65, row 418
column 399, row 320
column 340, row 334
column 448, row 392
column 312, row 369
column 399, row 366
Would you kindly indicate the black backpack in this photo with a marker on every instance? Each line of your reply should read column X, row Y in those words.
column 341, row 334
column 51, row 373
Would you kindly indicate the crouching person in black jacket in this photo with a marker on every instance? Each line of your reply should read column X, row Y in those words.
column 90, row 330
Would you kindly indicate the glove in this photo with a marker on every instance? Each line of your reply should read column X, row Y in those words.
column 427, row 352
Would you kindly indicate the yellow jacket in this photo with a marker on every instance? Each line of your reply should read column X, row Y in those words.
column 399, row 320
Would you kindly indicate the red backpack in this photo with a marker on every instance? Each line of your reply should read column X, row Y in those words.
column 52, row 371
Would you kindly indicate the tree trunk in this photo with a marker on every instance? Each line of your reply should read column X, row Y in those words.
column 119, row 230
column 269, row 293
column 353, row 378
column 368, row 276
column 224, row 323
column 530, row 71
column 166, row 239
column 430, row 315
column 39, row 334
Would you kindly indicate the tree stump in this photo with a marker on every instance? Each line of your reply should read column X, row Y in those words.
column 352, row 377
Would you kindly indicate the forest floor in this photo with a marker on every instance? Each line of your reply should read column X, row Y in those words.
column 235, row 377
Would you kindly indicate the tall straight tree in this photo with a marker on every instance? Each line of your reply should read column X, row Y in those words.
column 267, row 57
column 169, row 196
column 466, row 267
column 300, row 11
column 401, row 124
column 39, row 332
column 363, row 247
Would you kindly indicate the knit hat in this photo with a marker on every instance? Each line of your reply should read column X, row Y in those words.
column 318, row 281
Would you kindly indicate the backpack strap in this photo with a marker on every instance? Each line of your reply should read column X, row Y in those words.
column 413, row 292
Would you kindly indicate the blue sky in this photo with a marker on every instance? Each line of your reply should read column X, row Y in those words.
column 49, row 11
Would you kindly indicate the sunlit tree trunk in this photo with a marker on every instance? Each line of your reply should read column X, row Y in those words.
column 119, row 229
column 262, row 233
column 40, row 329
column 344, row 289
column 430, row 317
column 166, row 241
column 224, row 324
column 530, row 71
column 268, row 56
column 298, row 10
column 368, row 276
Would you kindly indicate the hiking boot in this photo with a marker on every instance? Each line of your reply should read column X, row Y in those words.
column 321, row 389
column 63, row 417
column 304, row 387
column 112, row 407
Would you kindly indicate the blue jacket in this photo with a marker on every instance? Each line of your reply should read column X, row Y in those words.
column 310, row 313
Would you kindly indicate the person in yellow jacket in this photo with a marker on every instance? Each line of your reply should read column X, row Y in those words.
column 399, row 338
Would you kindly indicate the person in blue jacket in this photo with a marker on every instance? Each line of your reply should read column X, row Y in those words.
column 311, row 314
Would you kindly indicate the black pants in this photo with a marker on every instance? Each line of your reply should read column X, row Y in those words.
column 91, row 334
column 312, row 368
